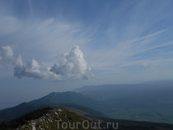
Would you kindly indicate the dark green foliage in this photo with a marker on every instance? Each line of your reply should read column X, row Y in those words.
column 24, row 119
column 12, row 113
column 70, row 118
column 17, row 111
column 3, row 126
column 30, row 116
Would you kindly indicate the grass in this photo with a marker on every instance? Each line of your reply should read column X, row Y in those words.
column 55, row 119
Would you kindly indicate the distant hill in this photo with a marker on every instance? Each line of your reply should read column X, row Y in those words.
column 139, row 95
column 160, row 82
column 137, row 102
column 67, row 97
column 141, row 102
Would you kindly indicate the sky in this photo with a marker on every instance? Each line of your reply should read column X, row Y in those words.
column 58, row 45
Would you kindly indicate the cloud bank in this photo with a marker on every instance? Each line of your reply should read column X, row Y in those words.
column 69, row 66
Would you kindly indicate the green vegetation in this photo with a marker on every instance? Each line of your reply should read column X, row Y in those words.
column 138, row 102
column 24, row 119
column 53, row 119
column 46, row 118
column 160, row 115
column 17, row 111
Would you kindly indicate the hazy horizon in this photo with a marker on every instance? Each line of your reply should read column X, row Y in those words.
column 17, row 100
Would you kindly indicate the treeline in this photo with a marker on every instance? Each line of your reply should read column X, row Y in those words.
column 24, row 119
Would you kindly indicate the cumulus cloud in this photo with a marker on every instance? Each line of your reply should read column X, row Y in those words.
column 31, row 69
column 72, row 65
column 69, row 66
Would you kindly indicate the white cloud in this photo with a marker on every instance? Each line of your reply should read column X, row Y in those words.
column 6, row 55
column 32, row 69
column 72, row 65
column 69, row 66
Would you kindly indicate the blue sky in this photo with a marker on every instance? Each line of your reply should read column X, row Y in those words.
column 123, row 41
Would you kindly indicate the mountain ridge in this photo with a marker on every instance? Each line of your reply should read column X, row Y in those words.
column 53, row 119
